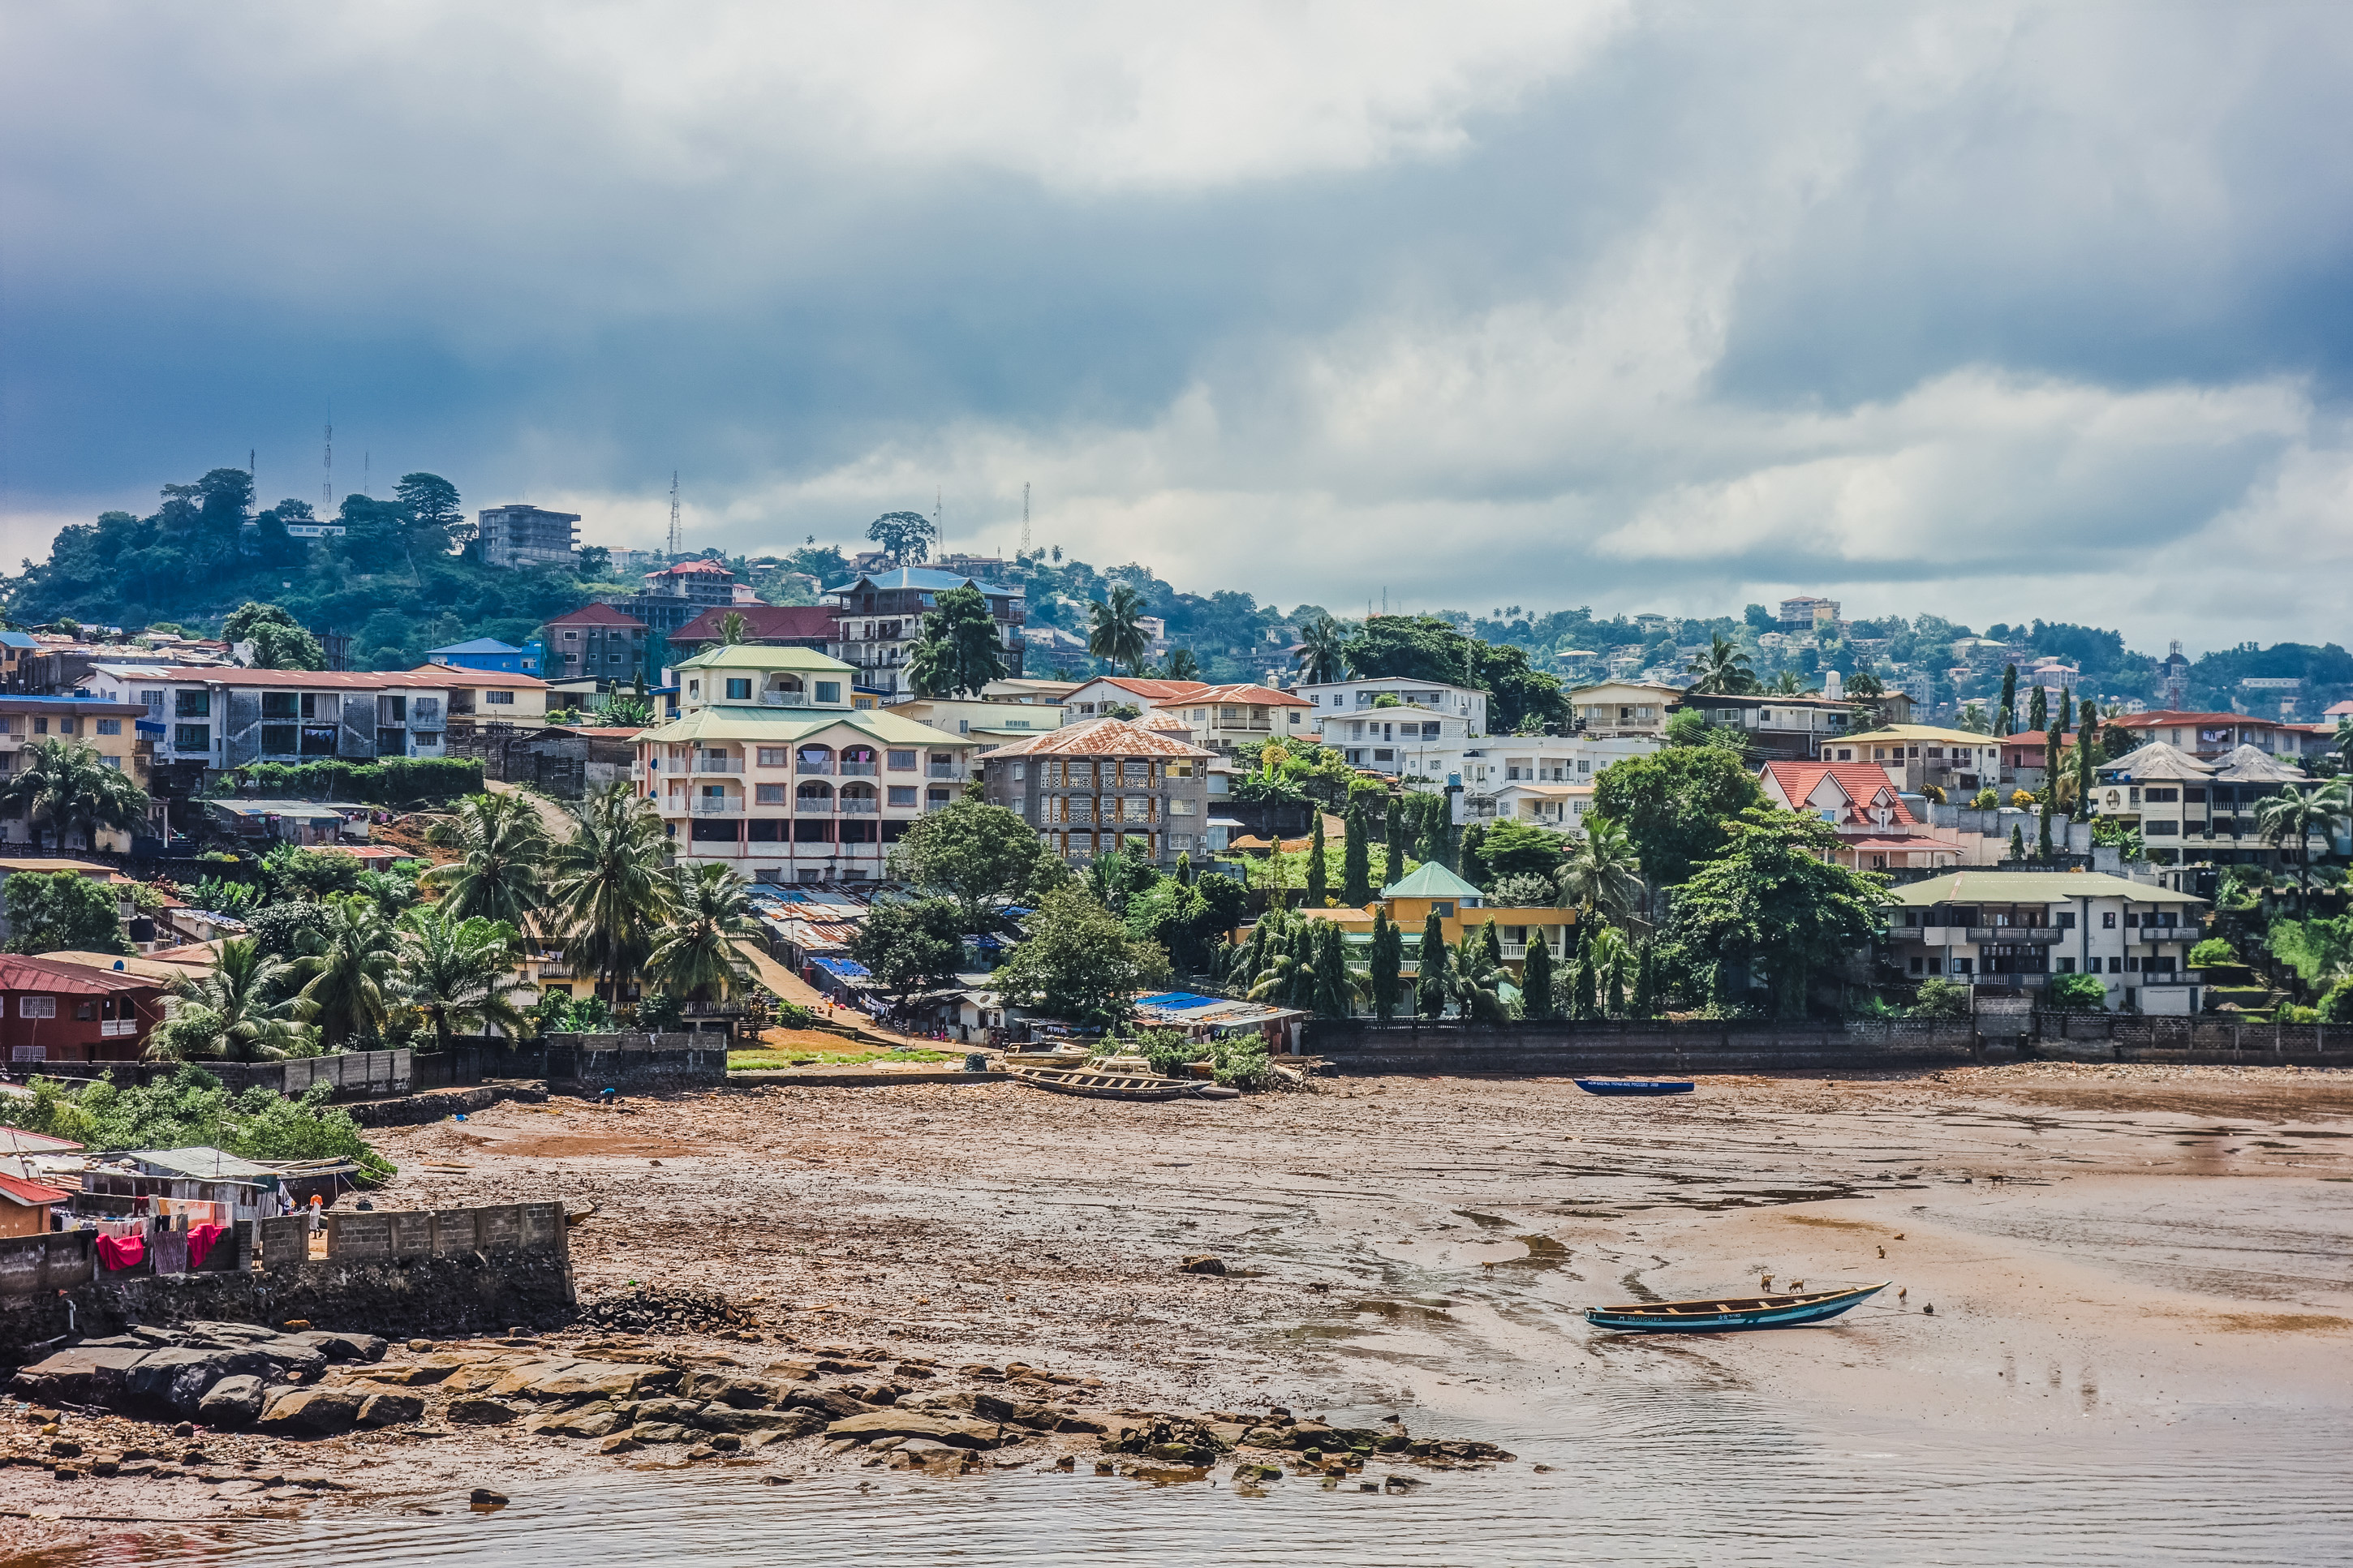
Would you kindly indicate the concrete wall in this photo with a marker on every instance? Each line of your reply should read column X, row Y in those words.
column 349, row 1073
column 586, row 1063
column 2210, row 1039
column 1561, row 1048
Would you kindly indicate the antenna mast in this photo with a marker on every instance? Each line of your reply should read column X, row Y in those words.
column 676, row 541
column 327, row 489
column 365, row 487
column 1025, row 517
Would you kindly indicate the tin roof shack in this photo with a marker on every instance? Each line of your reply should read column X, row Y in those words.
column 75, row 1013
column 304, row 822
column 25, row 1205
column 1221, row 1018
column 112, row 1184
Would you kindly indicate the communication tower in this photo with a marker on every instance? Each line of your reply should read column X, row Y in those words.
column 676, row 538
column 327, row 487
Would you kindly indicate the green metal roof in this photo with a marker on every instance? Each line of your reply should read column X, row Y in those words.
column 747, row 656
column 2031, row 887
column 1431, row 881
column 790, row 726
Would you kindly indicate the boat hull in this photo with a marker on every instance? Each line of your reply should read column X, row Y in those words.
column 1636, row 1086
column 1729, row 1314
column 1104, row 1086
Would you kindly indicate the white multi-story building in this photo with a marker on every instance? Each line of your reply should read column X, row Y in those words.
column 2017, row 928
column 1355, row 698
column 769, row 768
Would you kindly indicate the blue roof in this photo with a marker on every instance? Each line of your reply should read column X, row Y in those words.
column 480, row 645
column 16, row 639
column 1178, row 1001
column 844, row 968
column 922, row 577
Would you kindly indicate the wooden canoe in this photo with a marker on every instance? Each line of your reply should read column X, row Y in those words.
column 1091, row 1084
column 1729, row 1313
column 1634, row 1085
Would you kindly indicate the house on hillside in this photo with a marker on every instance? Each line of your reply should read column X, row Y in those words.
column 880, row 617
column 1226, row 717
column 767, row 626
column 59, row 1012
column 1101, row 785
column 1877, row 832
column 1914, row 756
column 2014, row 930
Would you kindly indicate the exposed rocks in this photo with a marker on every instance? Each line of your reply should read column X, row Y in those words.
column 917, row 1424
column 312, row 1412
column 655, row 1308
column 477, row 1411
column 230, row 1404
column 1203, row 1263
column 390, row 1409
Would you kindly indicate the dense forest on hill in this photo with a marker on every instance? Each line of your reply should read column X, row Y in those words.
column 403, row 580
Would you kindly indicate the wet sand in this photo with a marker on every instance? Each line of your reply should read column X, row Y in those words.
column 2107, row 1250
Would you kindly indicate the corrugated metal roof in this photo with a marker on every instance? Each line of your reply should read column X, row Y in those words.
column 1101, row 738
column 2029, row 888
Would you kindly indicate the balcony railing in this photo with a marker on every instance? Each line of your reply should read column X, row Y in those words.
column 715, row 807
column 784, row 699
column 806, row 767
column 851, row 806
column 719, row 765
column 2014, row 933
column 865, row 769
column 107, row 1029
column 944, row 771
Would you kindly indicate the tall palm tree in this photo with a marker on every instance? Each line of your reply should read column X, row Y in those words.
column 68, row 785
column 1182, row 665
column 1475, row 979
column 1117, row 631
column 608, row 884
column 1602, row 877
column 458, row 971
column 389, row 891
column 501, row 871
column 350, row 973
column 2345, row 739
column 238, row 1011
column 1787, row 684
column 1723, row 668
column 731, row 627
column 695, row 957
column 2299, row 815
column 1322, row 652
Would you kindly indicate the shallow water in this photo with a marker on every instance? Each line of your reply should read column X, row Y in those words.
column 1670, row 1477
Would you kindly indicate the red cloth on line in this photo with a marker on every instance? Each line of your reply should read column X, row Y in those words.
column 121, row 1251
column 200, row 1241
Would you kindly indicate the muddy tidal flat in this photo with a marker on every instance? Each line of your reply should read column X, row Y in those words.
column 2119, row 1328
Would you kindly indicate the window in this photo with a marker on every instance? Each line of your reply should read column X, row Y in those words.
column 695, row 689
column 828, row 691
column 499, row 699
column 769, row 795
column 2067, row 919
column 2131, row 921
column 936, row 797
column 280, row 740
column 765, row 830
column 712, row 832
column 109, row 726
column 428, row 737
column 572, row 637
column 739, row 690
column 775, row 756
column 2132, row 966
column 2115, row 966
column 2108, row 920
column 2161, row 796
column 191, row 704
column 1963, row 965
column 2066, row 966
column 1917, row 965
column 152, row 702
column 902, row 794
column 904, row 762
column 193, row 737
column 36, row 1006
column 391, row 742
column 277, row 705
column 1179, row 806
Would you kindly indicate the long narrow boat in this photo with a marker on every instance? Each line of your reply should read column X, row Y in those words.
column 1091, row 1084
column 1634, row 1085
column 1730, row 1313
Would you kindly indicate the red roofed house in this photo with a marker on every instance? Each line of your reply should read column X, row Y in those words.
column 59, row 1012
column 1877, row 832
column 765, row 626
column 2023, row 765
column 1093, row 698
column 1225, row 717
column 25, row 1205
column 1102, row 784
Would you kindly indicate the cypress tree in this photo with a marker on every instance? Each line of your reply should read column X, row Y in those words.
column 2042, row 847
column 2009, row 710
column 1331, row 971
column 1585, row 998
column 2050, row 741
column 1535, row 978
column 2066, row 710
column 1400, row 836
column 1430, row 989
column 1433, row 829
column 1617, row 987
column 1646, row 984
column 1491, row 941
column 2085, row 734
column 1356, row 861
column 1388, row 964
column 2038, row 711
column 1315, row 862
column 2017, row 842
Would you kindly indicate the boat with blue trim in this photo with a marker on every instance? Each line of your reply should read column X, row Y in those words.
column 1729, row 1313
column 1634, row 1085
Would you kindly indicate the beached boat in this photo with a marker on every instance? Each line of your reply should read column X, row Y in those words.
column 1095, row 1084
column 1761, row 1312
column 1634, row 1085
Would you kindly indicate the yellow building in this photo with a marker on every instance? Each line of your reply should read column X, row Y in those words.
column 110, row 729
column 1461, row 909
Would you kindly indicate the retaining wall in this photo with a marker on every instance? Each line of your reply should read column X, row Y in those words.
column 348, row 1073
column 1564, row 1049
column 2206, row 1040
column 582, row 1064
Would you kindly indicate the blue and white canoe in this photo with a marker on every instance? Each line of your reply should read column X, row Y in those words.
column 1634, row 1085
column 1730, row 1313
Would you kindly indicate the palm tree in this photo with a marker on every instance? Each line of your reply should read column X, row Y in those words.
column 1788, row 684
column 1475, row 979
column 1322, row 652
column 236, row 1011
column 608, row 884
column 2298, row 814
column 1602, row 877
column 388, row 891
column 67, row 784
column 501, row 871
column 1723, row 668
column 731, row 627
column 1182, row 665
column 1117, row 631
column 456, row 971
column 1612, row 957
column 695, row 957
column 350, row 973
column 2345, row 739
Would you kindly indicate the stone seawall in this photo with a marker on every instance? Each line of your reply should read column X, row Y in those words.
column 1569, row 1050
column 584, row 1064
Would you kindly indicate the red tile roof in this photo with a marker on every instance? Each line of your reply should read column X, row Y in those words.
column 30, row 1193
column 18, row 972
column 2170, row 716
column 1862, row 783
column 1098, row 738
column 2036, row 738
column 1261, row 696
column 596, row 616
column 1156, row 691
column 687, row 568
column 760, row 621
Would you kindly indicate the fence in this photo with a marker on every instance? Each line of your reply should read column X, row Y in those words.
column 1557, row 1048
column 36, row 1265
column 400, row 1234
column 349, row 1073
column 576, row 1060
column 2206, row 1040
column 469, row 1062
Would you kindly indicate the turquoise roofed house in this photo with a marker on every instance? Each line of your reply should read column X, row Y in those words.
column 486, row 653
column 1432, row 880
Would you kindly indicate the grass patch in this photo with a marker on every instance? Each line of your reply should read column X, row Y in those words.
column 848, row 1056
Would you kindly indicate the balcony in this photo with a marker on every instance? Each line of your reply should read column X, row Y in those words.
column 784, row 700
column 723, row 807
column 863, row 769
column 941, row 771
column 110, row 1028
column 1906, row 934
column 2045, row 934
column 806, row 767
column 850, row 806
column 719, row 765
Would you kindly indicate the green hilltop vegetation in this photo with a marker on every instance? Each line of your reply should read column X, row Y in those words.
column 405, row 579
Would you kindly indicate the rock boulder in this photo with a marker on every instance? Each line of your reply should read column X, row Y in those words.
column 917, row 1424
column 312, row 1412
column 231, row 1404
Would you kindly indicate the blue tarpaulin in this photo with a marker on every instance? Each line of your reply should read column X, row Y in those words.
column 1178, row 1001
column 843, row 968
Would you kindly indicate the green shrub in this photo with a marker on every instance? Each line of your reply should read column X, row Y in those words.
column 395, row 780
column 191, row 1109
column 1940, row 999
column 792, row 1016
column 2211, row 952
column 1240, row 1061
column 2076, row 994
column 661, row 1013
column 2337, row 1008
column 1984, row 800
column 1167, row 1051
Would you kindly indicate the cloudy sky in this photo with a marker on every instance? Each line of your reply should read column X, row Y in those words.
column 1991, row 309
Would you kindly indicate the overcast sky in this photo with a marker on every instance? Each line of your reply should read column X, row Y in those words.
column 1995, row 311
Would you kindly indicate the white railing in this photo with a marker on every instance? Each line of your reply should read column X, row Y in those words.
column 719, row 765
column 715, row 808
column 784, row 699
column 806, row 767
column 865, row 769
column 856, row 807
column 109, row 1028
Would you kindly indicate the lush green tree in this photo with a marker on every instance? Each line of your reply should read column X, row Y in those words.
column 431, row 502
column 2320, row 951
column 2006, row 716
column 389, row 891
column 1397, row 819
column 1938, row 998
column 609, row 886
column 1323, row 652
column 1613, row 967
column 1316, row 870
column 912, row 946
column 1417, row 647
column 2038, row 710
column 67, row 785
column 2299, row 815
column 1512, row 848
column 2074, row 993
column 242, row 1010
column 1538, row 999
column 1584, row 1003
column 1115, row 628
column 1387, row 964
column 1602, row 877
column 1336, row 986
column 906, row 537
column 349, row 973
column 1356, row 860
column 295, row 872
column 501, row 870
column 1776, row 897
column 1518, row 892
column 1437, row 832
column 1674, row 805
column 1182, row 665
column 2017, row 842
column 698, row 957
column 1723, row 668
column 2087, row 737
column 457, row 972
column 290, row 929
column 1079, row 963
column 1521, row 698
column 1431, row 988
column 961, row 649
column 1476, row 980
column 190, row 1110
column 1646, row 982
column 64, row 911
